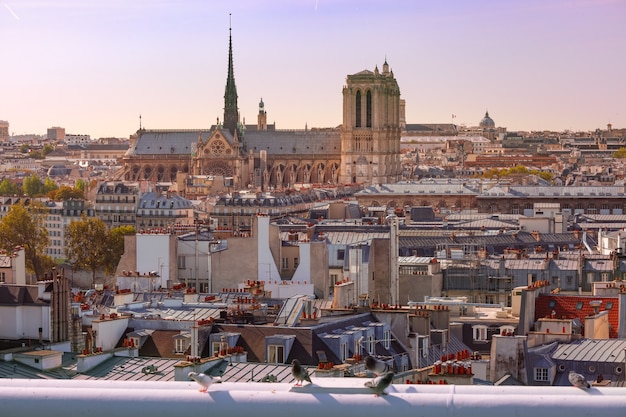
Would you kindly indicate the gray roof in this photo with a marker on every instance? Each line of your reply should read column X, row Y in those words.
column 353, row 238
column 421, row 188
column 154, row 200
column 592, row 350
column 167, row 142
column 289, row 142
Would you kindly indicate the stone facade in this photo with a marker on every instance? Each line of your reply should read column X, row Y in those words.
column 365, row 149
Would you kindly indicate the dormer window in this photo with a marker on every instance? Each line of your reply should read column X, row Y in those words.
column 275, row 354
column 387, row 339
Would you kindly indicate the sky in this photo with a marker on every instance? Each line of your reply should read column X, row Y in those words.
column 94, row 66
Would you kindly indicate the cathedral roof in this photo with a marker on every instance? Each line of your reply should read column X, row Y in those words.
column 167, row 142
column 299, row 142
column 364, row 72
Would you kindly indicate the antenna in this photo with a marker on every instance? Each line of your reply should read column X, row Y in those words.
column 140, row 121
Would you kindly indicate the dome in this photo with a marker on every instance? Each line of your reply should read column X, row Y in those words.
column 487, row 121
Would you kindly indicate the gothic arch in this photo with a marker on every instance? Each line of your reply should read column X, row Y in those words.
column 147, row 172
column 160, row 173
column 304, row 173
column 319, row 173
column 291, row 176
column 277, row 175
column 172, row 173
column 217, row 168
column 334, row 173
column 357, row 109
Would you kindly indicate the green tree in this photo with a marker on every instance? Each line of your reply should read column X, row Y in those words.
column 620, row 153
column 49, row 185
column 47, row 148
column 115, row 247
column 86, row 244
column 8, row 187
column 81, row 185
column 25, row 227
column 32, row 185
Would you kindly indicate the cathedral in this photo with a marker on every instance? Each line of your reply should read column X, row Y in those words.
column 364, row 149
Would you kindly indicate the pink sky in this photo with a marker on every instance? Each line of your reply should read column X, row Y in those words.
column 93, row 67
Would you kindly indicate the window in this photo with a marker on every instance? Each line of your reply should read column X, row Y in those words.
column 295, row 263
column 180, row 346
column 357, row 108
column 181, row 262
column 387, row 339
column 215, row 348
column 480, row 333
column 541, row 374
column 370, row 344
column 275, row 354
column 368, row 109
column 285, row 263
column 344, row 354
column 341, row 253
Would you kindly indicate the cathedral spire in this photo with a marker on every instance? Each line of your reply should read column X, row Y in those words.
column 231, row 112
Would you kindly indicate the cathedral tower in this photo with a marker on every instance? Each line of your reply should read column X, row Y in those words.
column 231, row 112
column 370, row 133
column 262, row 117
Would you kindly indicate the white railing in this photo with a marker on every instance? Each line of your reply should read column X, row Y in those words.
column 327, row 396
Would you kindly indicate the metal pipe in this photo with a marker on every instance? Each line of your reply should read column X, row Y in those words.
column 331, row 396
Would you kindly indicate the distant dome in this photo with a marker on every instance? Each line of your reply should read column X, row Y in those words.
column 487, row 121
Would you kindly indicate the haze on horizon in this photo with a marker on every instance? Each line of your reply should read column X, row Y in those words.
column 93, row 67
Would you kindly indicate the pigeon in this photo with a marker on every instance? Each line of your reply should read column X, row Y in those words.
column 299, row 373
column 204, row 380
column 379, row 383
column 376, row 365
column 578, row 380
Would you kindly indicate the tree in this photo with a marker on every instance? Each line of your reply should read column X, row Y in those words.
column 49, row 185
column 32, row 185
column 26, row 227
column 620, row 153
column 47, row 148
column 8, row 187
column 115, row 246
column 66, row 193
column 86, row 244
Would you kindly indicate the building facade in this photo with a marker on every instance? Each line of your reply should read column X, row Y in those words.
column 365, row 149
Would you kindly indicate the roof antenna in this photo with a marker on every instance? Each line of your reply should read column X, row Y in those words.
column 139, row 121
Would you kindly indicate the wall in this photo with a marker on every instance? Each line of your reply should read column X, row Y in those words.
column 156, row 252
column 109, row 332
column 416, row 287
column 597, row 326
column 507, row 357
column 380, row 272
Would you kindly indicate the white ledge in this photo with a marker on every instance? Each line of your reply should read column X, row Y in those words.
column 327, row 396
